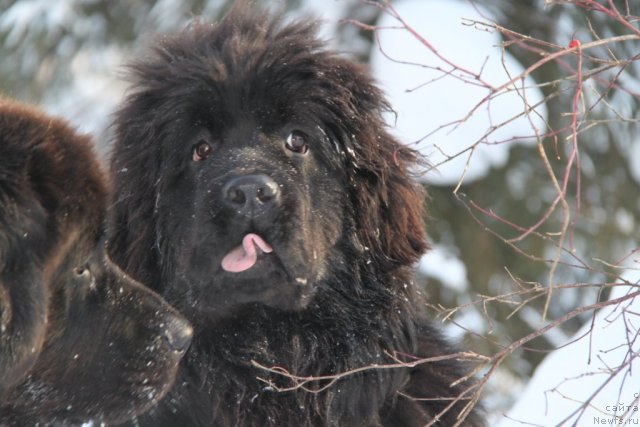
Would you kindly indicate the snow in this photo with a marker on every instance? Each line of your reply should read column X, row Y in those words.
column 425, row 97
column 34, row 15
column 328, row 11
column 571, row 375
column 442, row 264
column 96, row 91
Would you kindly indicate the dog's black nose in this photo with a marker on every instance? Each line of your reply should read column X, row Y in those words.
column 177, row 334
column 251, row 195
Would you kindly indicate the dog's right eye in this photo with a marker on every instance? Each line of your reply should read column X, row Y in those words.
column 297, row 142
column 201, row 151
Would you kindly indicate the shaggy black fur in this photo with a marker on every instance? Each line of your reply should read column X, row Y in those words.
column 79, row 339
column 250, row 127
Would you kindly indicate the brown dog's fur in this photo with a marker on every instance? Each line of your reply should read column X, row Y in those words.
column 79, row 339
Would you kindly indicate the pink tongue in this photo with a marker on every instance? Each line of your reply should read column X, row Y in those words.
column 244, row 256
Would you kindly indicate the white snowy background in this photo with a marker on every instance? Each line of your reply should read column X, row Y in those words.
column 424, row 101
column 568, row 376
column 587, row 370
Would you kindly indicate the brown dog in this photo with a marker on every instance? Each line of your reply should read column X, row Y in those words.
column 79, row 339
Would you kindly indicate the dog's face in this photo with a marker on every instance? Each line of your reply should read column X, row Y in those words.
column 112, row 347
column 257, row 204
column 251, row 164
column 108, row 348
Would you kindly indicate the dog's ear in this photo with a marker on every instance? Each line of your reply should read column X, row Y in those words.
column 389, row 203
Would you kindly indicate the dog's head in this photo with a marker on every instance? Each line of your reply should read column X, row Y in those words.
column 251, row 162
column 110, row 347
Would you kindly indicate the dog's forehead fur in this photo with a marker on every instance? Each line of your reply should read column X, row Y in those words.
column 249, row 64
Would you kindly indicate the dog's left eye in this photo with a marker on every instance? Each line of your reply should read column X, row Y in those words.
column 297, row 142
column 84, row 275
column 201, row 151
column 82, row 271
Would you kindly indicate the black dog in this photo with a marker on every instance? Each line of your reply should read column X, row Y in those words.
column 258, row 190
column 79, row 340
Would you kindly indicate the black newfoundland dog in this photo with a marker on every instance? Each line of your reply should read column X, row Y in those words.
column 257, row 189
column 79, row 340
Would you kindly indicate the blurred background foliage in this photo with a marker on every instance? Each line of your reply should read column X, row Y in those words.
column 68, row 56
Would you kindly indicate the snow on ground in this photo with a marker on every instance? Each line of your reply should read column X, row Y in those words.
column 422, row 108
column 574, row 374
